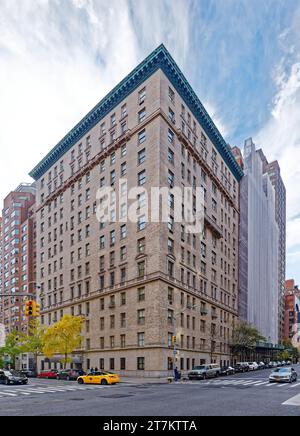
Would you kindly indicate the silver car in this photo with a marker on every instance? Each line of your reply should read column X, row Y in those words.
column 283, row 375
column 203, row 372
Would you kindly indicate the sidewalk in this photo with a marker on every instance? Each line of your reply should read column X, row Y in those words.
column 146, row 380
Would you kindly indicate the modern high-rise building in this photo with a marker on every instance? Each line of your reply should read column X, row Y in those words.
column 273, row 170
column 259, row 234
column 140, row 283
column 18, row 258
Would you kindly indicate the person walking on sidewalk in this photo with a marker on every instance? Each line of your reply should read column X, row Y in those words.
column 176, row 374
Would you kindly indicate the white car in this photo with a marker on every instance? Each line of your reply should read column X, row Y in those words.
column 253, row 366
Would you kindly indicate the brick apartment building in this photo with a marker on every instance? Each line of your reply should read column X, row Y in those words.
column 130, row 280
column 292, row 310
column 18, row 257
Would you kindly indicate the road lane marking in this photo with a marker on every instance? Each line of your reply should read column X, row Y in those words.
column 294, row 401
column 294, row 386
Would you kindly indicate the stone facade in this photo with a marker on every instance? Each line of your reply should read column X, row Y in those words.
column 130, row 281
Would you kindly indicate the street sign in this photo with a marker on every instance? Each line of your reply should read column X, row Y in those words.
column 2, row 335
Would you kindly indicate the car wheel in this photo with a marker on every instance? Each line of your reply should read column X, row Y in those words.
column 104, row 382
column 7, row 382
column 25, row 383
column 80, row 381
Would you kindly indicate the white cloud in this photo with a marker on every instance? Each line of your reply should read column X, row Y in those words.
column 58, row 58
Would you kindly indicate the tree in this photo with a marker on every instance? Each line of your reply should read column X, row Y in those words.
column 244, row 339
column 63, row 338
column 34, row 341
column 12, row 348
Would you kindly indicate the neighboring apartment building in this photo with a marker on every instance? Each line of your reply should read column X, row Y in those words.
column 258, row 266
column 18, row 260
column 273, row 169
column 130, row 280
column 292, row 311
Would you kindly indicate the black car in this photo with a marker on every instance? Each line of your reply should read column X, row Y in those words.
column 12, row 377
column 227, row 370
column 30, row 373
column 69, row 374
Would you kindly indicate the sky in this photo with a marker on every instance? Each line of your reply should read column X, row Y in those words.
column 58, row 58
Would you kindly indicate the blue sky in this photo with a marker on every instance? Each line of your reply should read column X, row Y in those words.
column 58, row 58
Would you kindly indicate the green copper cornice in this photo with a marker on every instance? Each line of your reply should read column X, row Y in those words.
column 158, row 59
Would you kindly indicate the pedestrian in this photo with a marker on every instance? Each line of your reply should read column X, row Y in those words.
column 176, row 374
column 92, row 370
column 96, row 369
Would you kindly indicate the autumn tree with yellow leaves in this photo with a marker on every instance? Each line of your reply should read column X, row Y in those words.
column 63, row 338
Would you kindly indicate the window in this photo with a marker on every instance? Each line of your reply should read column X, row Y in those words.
column 141, row 339
column 123, row 169
column 142, row 136
column 112, row 177
column 170, row 268
column 171, row 136
column 112, row 238
column 141, row 156
column 141, row 363
column 170, row 179
column 124, row 111
column 141, row 294
column 142, row 96
column 171, row 116
column 113, row 121
column 142, row 178
column 170, row 246
column 113, row 158
column 123, row 341
column 122, row 361
column 141, row 269
column 123, row 231
column 142, row 115
column 141, row 316
column 171, row 224
column 171, row 156
column 142, row 223
column 141, row 245
column 123, row 150
column 123, row 253
column 171, row 95
column 102, row 242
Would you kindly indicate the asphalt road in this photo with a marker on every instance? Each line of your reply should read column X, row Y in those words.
column 247, row 394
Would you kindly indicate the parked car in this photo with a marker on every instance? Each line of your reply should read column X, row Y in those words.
column 273, row 365
column 227, row 370
column 99, row 378
column 202, row 372
column 30, row 373
column 69, row 374
column 241, row 367
column 261, row 365
column 253, row 366
column 283, row 375
column 50, row 373
column 12, row 377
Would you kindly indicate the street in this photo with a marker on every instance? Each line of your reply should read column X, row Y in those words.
column 248, row 394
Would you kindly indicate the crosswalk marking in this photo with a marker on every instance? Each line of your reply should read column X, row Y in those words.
column 297, row 384
column 42, row 390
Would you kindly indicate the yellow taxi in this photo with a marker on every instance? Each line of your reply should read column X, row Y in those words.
column 99, row 378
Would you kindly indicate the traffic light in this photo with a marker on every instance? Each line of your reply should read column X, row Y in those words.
column 32, row 308
column 29, row 308
column 173, row 340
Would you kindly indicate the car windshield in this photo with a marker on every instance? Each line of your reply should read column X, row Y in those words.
column 199, row 367
column 281, row 370
column 7, row 373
